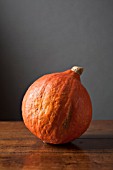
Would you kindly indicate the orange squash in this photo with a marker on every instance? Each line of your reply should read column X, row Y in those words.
column 57, row 107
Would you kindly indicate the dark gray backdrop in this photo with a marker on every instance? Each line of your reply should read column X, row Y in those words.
column 38, row 37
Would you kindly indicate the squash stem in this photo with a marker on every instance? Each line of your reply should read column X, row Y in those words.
column 77, row 69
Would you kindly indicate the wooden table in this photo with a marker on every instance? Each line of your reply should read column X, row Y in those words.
column 19, row 149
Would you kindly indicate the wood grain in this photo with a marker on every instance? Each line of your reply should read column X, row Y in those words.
column 19, row 149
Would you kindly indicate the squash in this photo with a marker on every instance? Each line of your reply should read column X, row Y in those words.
column 57, row 107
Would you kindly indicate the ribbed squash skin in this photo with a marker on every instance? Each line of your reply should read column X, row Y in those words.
column 57, row 108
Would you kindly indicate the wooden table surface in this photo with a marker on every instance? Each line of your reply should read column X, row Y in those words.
column 19, row 149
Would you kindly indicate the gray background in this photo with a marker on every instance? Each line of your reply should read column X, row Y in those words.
column 38, row 37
